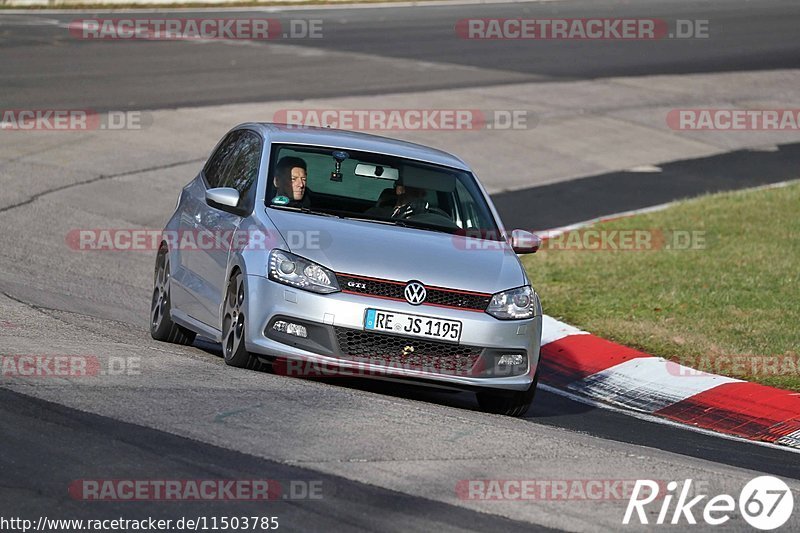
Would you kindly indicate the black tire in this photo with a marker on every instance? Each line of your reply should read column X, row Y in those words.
column 233, row 326
column 509, row 404
column 162, row 328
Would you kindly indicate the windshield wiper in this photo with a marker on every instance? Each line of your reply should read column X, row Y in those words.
column 421, row 225
column 378, row 220
column 305, row 210
column 391, row 222
column 404, row 224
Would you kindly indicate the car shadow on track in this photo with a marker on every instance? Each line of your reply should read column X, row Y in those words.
column 545, row 405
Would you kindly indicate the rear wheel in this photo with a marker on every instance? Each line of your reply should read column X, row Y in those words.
column 509, row 404
column 233, row 326
column 162, row 328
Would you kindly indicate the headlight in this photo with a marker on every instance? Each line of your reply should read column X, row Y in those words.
column 514, row 304
column 293, row 270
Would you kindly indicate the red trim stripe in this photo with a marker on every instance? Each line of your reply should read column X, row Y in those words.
column 403, row 300
column 457, row 291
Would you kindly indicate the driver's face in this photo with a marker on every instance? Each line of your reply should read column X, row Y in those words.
column 293, row 186
column 412, row 193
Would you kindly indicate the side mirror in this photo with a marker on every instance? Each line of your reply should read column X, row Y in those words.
column 525, row 242
column 222, row 196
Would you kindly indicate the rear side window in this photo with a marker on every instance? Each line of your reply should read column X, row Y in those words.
column 220, row 159
column 242, row 171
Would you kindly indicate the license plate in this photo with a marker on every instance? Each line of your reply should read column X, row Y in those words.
column 412, row 325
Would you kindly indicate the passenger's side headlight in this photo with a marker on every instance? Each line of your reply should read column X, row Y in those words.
column 293, row 270
column 514, row 304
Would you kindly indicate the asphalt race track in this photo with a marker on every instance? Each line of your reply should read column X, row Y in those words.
column 386, row 457
column 48, row 67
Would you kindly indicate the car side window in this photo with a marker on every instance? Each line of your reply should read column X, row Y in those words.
column 242, row 172
column 219, row 161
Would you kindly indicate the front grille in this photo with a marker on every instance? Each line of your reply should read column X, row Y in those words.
column 406, row 353
column 372, row 287
column 473, row 301
column 478, row 302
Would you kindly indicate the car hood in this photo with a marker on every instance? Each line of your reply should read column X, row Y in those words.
column 400, row 254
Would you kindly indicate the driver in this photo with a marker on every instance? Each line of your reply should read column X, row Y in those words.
column 290, row 181
column 409, row 200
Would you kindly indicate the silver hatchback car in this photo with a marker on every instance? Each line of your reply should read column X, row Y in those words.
column 319, row 252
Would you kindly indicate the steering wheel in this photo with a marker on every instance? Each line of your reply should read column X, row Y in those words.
column 417, row 207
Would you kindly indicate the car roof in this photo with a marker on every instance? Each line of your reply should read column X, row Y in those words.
column 345, row 139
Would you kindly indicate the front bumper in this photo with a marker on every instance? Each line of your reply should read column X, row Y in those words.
column 336, row 321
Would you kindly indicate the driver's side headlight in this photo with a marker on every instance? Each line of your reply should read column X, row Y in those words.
column 296, row 271
column 514, row 304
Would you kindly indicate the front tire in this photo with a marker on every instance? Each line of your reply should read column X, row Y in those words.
column 162, row 328
column 510, row 404
column 233, row 326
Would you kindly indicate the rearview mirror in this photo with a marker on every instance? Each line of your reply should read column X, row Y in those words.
column 223, row 196
column 376, row 171
column 525, row 242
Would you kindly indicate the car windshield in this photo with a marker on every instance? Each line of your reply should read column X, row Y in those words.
column 378, row 188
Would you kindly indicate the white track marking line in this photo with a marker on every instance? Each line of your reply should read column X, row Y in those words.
column 647, row 384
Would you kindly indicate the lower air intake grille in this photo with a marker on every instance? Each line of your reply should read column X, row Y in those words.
column 407, row 353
